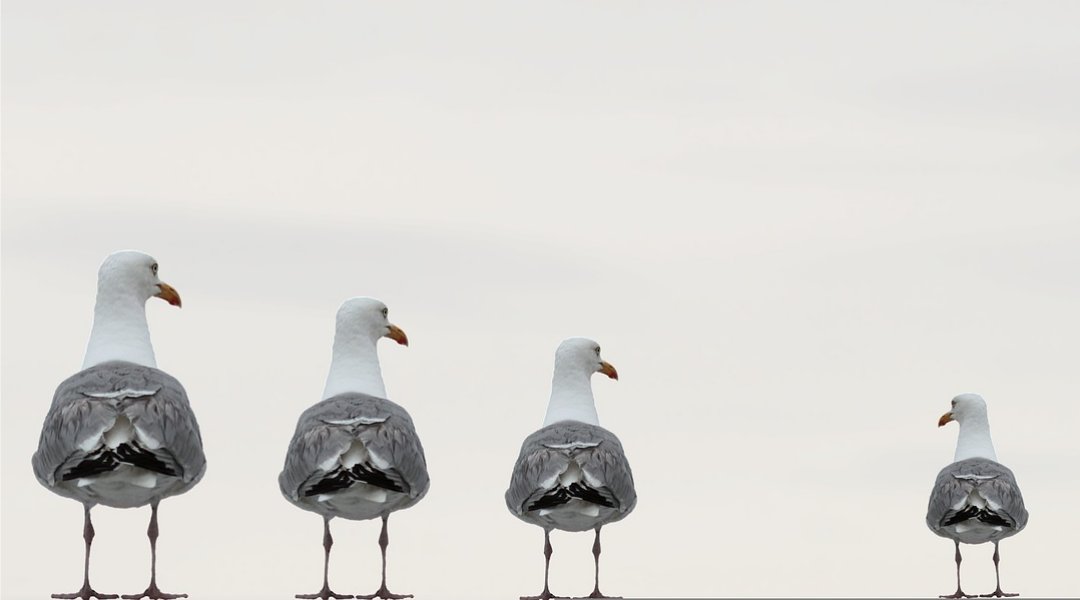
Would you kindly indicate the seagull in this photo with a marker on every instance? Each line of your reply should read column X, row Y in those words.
column 975, row 499
column 355, row 454
column 572, row 474
column 120, row 432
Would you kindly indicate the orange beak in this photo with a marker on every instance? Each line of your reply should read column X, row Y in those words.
column 167, row 293
column 397, row 335
column 945, row 418
column 607, row 369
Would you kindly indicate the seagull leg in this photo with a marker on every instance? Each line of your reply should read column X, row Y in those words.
column 959, row 592
column 152, row 590
column 325, row 593
column 384, row 541
column 86, row 592
column 596, row 558
column 997, row 593
column 546, row 594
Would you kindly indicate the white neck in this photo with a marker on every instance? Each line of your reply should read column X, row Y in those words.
column 120, row 331
column 355, row 365
column 974, row 439
column 571, row 396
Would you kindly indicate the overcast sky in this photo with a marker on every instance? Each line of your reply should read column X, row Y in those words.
column 797, row 230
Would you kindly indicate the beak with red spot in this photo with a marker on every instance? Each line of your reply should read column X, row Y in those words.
column 397, row 335
column 945, row 418
column 607, row 369
column 167, row 293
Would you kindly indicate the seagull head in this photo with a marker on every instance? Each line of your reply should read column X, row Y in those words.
column 584, row 354
column 136, row 273
column 369, row 317
column 964, row 407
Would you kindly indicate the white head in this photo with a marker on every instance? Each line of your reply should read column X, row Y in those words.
column 965, row 408
column 582, row 355
column 126, row 280
column 571, row 387
column 134, row 274
column 361, row 323
column 969, row 411
column 368, row 318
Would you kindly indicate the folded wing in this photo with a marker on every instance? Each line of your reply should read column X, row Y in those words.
column 979, row 489
column 353, row 438
column 115, row 414
column 571, row 460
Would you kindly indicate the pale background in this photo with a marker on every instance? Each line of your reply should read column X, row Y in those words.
column 796, row 229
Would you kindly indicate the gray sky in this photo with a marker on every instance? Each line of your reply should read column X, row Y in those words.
column 796, row 229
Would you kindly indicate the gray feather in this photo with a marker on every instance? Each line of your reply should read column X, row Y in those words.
column 320, row 437
column 81, row 410
column 994, row 481
column 547, row 453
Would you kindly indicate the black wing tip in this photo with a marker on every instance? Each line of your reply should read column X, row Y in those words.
column 960, row 516
column 589, row 494
column 557, row 497
column 345, row 478
column 992, row 518
column 334, row 483
column 973, row 512
column 109, row 459
column 136, row 455
column 562, row 495
column 372, row 476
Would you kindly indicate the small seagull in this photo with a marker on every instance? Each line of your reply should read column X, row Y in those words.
column 572, row 474
column 975, row 499
column 355, row 454
column 121, row 432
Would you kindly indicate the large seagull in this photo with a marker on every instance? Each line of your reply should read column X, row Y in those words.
column 120, row 432
column 975, row 499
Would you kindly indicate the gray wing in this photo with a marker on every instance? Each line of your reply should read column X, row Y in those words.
column 328, row 429
column 993, row 481
column 71, row 427
column 89, row 403
column 547, row 453
column 536, row 471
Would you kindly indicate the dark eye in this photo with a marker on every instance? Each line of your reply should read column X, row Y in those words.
column 597, row 350
column 153, row 268
column 385, row 312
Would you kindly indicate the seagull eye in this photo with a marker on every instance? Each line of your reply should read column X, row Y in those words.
column 153, row 268
column 597, row 350
column 386, row 312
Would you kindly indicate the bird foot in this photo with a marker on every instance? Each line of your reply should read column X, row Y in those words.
column 959, row 594
column 598, row 595
column 546, row 595
column 998, row 594
column 153, row 593
column 86, row 593
column 383, row 593
column 325, row 594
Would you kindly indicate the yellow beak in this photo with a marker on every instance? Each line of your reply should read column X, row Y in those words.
column 167, row 293
column 397, row 335
column 607, row 369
